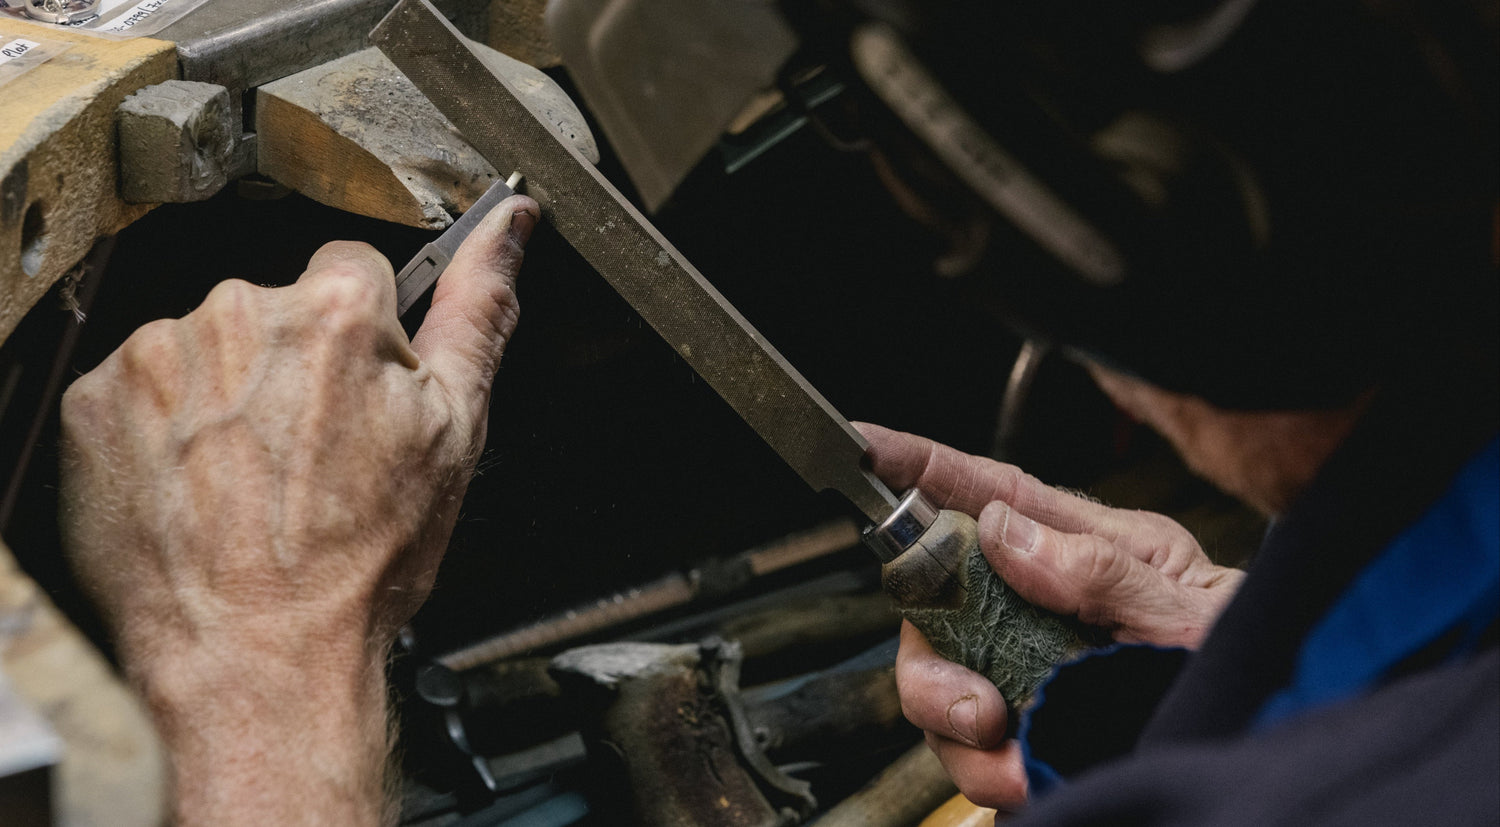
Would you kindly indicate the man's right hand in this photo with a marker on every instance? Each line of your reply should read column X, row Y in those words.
column 1138, row 575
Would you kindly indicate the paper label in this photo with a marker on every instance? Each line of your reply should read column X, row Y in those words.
column 119, row 19
column 17, row 48
column 133, row 16
column 22, row 54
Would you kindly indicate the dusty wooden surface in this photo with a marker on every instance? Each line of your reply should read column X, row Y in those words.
column 112, row 773
column 58, row 178
column 355, row 134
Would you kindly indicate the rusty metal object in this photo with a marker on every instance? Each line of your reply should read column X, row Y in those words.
column 824, row 717
column 811, row 622
column 832, row 714
column 668, row 722
column 676, row 589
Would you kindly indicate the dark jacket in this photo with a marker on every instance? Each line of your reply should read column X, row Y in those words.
column 1257, row 727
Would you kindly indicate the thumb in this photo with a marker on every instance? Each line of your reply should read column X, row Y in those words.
column 1082, row 575
column 474, row 307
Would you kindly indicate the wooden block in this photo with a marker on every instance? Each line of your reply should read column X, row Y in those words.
column 355, row 134
column 58, row 171
column 176, row 141
column 960, row 812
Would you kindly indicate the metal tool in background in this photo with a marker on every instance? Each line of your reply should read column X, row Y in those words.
column 665, row 78
column 711, row 578
column 933, row 566
column 711, row 770
column 423, row 270
column 698, row 748
column 707, row 741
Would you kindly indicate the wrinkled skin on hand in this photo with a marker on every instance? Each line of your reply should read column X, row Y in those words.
column 1138, row 575
column 258, row 495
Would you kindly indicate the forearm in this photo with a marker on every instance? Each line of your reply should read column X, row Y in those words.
column 255, row 740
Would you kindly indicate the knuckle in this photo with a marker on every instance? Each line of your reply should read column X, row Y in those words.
column 1011, row 483
column 1174, row 546
column 151, row 345
column 347, row 251
column 1099, row 563
column 1079, row 558
column 493, row 321
column 231, row 292
column 144, row 367
column 504, row 311
column 1090, row 565
column 345, row 297
column 1020, row 489
column 1161, row 524
column 228, row 305
column 1099, row 570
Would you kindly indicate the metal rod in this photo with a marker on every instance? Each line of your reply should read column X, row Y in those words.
column 1017, row 389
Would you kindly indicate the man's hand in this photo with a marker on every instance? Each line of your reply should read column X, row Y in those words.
column 1139, row 575
column 258, row 495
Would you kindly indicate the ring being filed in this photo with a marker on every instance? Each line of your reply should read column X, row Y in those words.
column 63, row 12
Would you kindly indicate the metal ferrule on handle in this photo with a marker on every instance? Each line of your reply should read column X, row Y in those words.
column 900, row 531
column 940, row 580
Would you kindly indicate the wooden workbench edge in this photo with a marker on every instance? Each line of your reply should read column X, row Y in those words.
column 59, row 187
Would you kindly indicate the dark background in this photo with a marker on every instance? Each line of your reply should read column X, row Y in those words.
column 608, row 462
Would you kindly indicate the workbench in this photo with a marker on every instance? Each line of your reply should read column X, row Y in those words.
column 301, row 102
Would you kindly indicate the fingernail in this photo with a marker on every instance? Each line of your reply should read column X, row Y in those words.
column 963, row 719
column 522, row 222
column 1020, row 532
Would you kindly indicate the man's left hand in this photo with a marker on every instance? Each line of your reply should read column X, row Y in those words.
column 258, row 495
